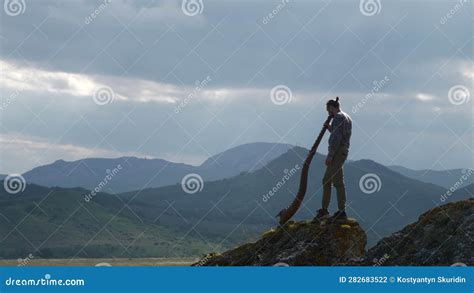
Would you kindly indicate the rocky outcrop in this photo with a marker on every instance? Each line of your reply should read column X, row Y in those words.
column 305, row 243
column 442, row 236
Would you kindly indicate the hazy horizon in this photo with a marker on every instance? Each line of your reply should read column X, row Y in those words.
column 201, row 162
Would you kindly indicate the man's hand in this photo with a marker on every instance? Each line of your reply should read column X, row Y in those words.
column 328, row 126
column 328, row 161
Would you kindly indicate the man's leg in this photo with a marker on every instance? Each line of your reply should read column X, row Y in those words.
column 327, row 184
column 338, row 179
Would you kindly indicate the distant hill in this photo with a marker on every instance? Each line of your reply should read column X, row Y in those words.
column 59, row 223
column 237, row 209
column 245, row 158
column 139, row 173
column 445, row 178
column 135, row 173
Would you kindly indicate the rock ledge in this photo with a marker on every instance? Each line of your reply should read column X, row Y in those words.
column 305, row 243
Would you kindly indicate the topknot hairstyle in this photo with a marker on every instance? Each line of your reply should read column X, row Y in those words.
column 334, row 103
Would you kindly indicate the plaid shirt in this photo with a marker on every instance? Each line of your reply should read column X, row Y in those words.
column 341, row 131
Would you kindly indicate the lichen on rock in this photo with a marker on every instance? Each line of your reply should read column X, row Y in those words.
column 303, row 243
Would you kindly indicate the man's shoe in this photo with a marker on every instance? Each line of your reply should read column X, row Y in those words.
column 322, row 214
column 339, row 215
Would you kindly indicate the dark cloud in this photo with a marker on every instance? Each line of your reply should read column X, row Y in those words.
column 317, row 49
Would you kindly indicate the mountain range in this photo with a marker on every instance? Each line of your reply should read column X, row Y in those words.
column 233, row 209
column 137, row 173
column 142, row 173
column 444, row 178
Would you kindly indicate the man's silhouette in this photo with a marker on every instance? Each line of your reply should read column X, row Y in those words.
column 338, row 150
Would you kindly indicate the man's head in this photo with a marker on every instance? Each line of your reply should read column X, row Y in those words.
column 333, row 107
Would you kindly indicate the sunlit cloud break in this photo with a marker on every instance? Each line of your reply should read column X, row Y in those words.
column 20, row 78
column 425, row 97
column 28, row 78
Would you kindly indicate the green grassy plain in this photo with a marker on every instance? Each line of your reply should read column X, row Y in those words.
column 102, row 262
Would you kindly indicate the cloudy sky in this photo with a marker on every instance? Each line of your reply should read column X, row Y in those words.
column 183, row 80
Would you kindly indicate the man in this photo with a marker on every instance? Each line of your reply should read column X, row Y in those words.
column 339, row 141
